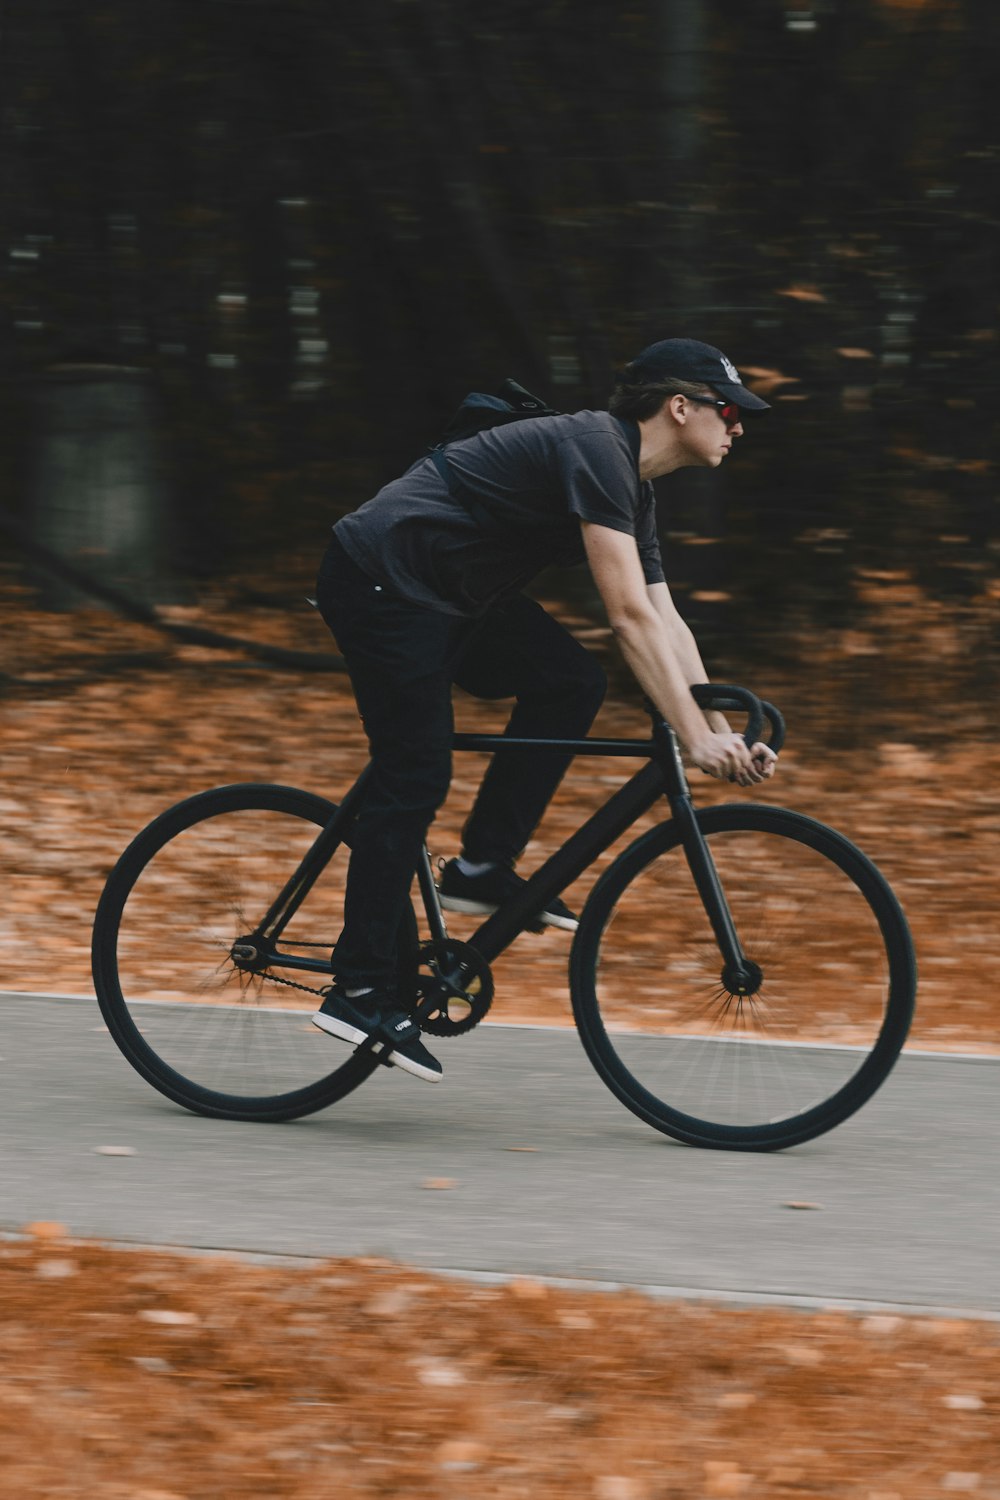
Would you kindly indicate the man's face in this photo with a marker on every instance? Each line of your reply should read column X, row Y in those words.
column 710, row 431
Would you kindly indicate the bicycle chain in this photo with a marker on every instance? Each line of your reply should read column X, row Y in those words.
column 292, row 985
column 439, row 1024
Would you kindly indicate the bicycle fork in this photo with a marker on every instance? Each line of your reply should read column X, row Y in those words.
column 740, row 975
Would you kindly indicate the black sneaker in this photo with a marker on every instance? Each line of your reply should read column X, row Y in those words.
column 355, row 1020
column 480, row 894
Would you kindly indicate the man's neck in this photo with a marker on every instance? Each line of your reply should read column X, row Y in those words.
column 659, row 450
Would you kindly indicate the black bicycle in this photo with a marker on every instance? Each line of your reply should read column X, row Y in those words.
column 742, row 976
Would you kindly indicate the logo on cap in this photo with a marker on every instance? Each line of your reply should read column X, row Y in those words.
column 730, row 369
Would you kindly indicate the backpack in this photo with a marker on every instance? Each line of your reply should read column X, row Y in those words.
column 477, row 413
column 512, row 403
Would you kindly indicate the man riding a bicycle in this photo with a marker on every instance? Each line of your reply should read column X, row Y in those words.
column 421, row 586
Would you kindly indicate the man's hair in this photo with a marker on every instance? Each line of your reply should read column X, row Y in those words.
column 637, row 399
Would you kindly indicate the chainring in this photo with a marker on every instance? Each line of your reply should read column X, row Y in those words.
column 461, row 982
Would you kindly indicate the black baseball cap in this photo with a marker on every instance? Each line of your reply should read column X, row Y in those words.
column 689, row 359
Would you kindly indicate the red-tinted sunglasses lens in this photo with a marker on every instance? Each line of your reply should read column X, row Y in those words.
column 730, row 414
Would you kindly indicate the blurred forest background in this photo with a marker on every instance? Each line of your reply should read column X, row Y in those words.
column 257, row 252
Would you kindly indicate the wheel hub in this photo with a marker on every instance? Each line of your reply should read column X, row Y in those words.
column 743, row 979
column 247, row 956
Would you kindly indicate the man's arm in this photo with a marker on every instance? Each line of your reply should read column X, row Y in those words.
column 685, row 648
column 663, row 657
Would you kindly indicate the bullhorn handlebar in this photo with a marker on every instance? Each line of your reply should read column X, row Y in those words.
column 725, row 698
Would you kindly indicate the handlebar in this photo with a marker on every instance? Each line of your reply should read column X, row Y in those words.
column 725, row 698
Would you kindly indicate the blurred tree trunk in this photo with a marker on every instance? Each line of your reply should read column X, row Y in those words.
column 97, row 487
column 696, row 499
column 682, row 28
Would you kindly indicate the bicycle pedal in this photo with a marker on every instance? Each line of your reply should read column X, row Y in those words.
column 379, row 1044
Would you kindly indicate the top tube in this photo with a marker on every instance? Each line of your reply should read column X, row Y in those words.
column 706, row 695
column 639, row 749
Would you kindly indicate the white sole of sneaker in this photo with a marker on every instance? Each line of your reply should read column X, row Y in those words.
column 461, row 903
column 566, row 924
column 348, row 1033
column 342, row 1029
column 417, row 1069
column 484, row 909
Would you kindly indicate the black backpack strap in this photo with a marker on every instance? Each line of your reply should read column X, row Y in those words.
column 479, row 513
column 441, row 464
column 477, row 413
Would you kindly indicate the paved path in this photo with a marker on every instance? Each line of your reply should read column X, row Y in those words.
column 908, row 1191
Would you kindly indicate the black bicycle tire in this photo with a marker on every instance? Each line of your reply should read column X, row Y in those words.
column 899, row 1008
column 251, row 796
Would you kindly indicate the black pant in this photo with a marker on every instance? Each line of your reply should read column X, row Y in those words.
column 403, row 660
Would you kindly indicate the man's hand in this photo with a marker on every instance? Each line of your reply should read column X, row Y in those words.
column 726, row 757
column 764, row 759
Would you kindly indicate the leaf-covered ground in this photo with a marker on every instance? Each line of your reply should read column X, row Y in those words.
column 147, row 1376
column 139, row 1375
column 87, row 757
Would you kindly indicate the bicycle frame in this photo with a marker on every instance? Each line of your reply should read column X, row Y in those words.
column 663, row 775
column 740, row 1059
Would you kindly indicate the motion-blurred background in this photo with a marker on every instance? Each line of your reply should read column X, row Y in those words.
column 256, row 253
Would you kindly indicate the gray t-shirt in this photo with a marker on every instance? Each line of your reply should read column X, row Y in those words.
column 536, row 479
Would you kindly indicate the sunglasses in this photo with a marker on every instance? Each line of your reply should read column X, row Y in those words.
column 730, row 413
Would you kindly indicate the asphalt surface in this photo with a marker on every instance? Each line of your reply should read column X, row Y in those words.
column 543, row 1173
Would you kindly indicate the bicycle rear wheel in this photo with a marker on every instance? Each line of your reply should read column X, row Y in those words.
column 211, row 1037
column 819, row 1033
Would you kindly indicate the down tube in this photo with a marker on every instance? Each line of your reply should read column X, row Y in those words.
column 608, row 823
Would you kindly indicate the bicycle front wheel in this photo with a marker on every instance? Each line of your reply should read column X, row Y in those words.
column 822, row 1026
column 204, row 1032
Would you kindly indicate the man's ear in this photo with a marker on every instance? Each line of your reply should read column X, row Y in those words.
column 675, row 408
